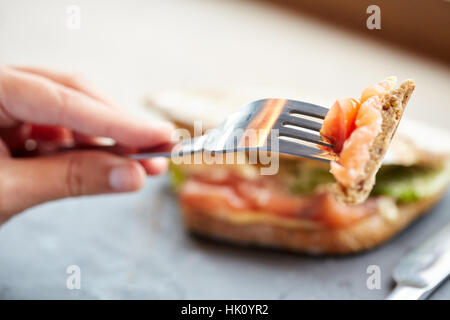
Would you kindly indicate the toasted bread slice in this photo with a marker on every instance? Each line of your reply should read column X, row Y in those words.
column 394, row 103
column 362, row 235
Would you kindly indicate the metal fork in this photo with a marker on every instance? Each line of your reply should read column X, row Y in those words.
column 276, row 125
column 287, row 118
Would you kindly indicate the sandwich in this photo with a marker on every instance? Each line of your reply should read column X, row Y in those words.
column 304, row 207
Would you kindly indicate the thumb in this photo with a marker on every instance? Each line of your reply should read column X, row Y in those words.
column 28, row 182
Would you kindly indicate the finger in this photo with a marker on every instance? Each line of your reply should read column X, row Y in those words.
column 28, row 182
column 28, row 97
column 78, row 82
column 73, row 81
column 155, row 166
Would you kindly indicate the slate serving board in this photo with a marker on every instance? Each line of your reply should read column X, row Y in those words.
column 134, row 247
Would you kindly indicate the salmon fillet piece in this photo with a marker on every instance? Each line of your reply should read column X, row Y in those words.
column 360, row 131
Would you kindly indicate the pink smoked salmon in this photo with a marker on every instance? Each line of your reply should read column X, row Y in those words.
column 351, row 126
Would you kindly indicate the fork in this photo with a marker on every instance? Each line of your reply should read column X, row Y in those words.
column 296, row 125
column 281, row 125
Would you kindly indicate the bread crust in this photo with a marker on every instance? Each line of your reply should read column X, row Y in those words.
column 394, row 103
column 362, row 235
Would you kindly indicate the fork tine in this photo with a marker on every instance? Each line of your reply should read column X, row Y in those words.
column 298, row 149
column 302, row 135
column 300, row 122
column 307, row 109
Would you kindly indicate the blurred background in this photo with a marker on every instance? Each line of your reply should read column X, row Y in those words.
column 133, row 246
column 313, row 50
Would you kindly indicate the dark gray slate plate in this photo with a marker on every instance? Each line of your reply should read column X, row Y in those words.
column 134, row 247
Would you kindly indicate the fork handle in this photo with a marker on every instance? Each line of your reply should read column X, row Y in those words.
column 164, row 150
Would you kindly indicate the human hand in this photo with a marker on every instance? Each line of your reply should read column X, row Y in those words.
column 45, row 110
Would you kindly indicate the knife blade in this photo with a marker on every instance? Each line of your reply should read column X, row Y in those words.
column 423, row 269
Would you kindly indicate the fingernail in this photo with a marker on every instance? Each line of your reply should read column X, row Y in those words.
column 126, row 177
